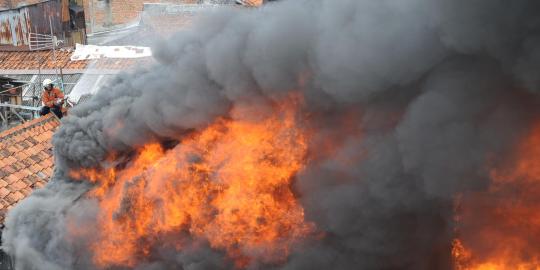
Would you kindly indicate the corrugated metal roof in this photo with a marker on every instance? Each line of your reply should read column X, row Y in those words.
column 89, row 85
column 84, row 98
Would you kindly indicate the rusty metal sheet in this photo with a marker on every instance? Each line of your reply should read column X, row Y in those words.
column 40, row 13
column 14, row 27
column 15, row 24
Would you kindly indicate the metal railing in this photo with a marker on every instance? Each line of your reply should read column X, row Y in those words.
column 40, row 42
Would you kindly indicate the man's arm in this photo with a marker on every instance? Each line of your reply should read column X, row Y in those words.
column 58, row 93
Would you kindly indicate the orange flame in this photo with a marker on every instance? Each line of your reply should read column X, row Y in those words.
column 502, row 225
column 228, row 185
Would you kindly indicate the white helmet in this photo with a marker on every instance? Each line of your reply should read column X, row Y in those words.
column 47, row 82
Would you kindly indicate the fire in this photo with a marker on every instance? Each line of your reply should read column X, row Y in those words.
column 228, row 185
column 500, row 228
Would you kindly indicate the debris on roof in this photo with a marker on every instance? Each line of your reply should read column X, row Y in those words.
column 26, row 160
column 86, row 52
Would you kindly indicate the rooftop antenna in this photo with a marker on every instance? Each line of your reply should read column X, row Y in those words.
column 42, row 42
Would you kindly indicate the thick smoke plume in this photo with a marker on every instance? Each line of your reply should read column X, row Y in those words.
column 419, row 97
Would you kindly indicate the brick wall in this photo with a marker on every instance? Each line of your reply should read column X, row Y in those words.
column 121, row 11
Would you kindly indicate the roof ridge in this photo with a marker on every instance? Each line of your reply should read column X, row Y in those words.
column 28, row 124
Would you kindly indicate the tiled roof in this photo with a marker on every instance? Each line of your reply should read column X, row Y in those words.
column 26, row 160
column 30, row 60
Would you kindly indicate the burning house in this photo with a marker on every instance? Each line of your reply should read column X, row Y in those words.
column 348, row 134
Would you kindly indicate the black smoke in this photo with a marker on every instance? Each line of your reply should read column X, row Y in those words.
column 437, row 90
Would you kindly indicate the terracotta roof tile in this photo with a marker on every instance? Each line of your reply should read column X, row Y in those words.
column 17, row 185
column 20, row 174
column 49, row 171
column 48, row 162
column 4, row 192
column 14, row 197
column 12, row 178
column 18, row 166
column 3, row 204
column 27, row 181
column 9, row 169
column 26, row 191
column 39, row 184
column 13, row 187
column 42, row 155
column 20, row 155
column 29, row 151
column 35, row 168
column 41, row 174
column 26, row 162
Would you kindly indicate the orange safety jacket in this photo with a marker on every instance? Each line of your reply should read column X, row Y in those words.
column 48, row 97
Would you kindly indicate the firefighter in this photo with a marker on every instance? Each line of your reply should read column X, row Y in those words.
column 52, row 99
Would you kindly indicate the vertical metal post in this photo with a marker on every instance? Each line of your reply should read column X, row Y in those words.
column 61, row 80
column 53, row 46
column 39, row 77
column 40, row 59
column 4, row 118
